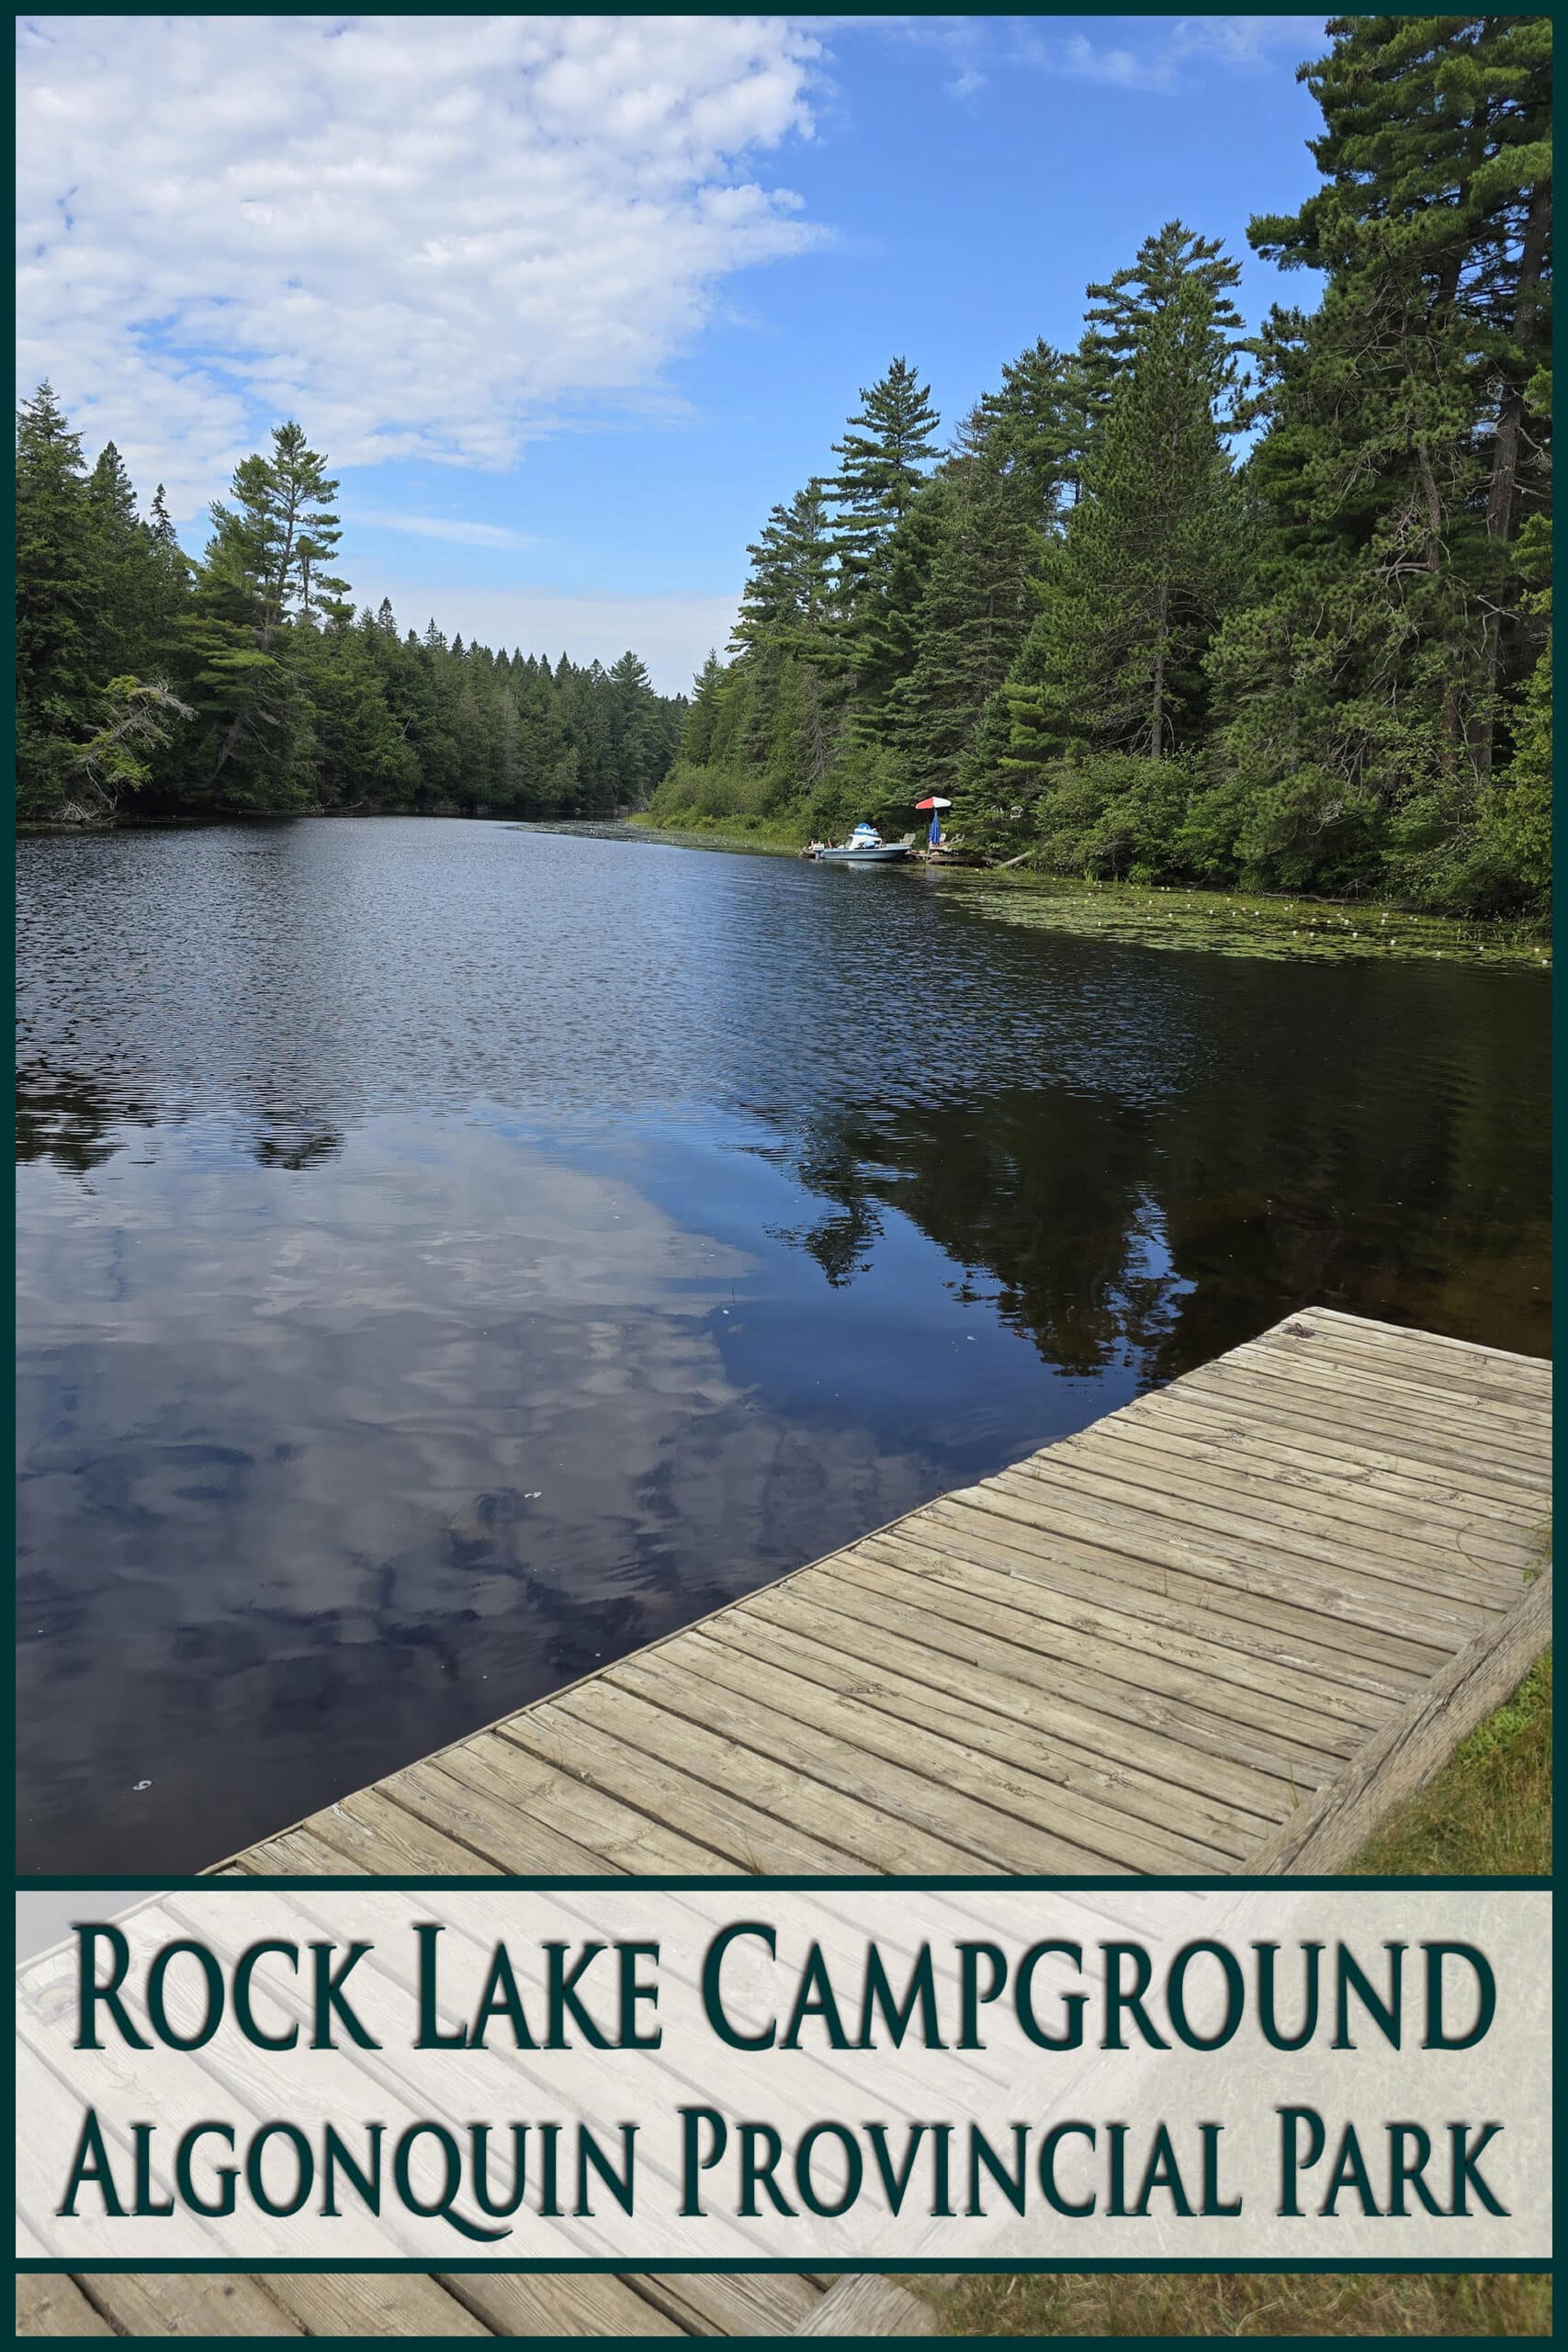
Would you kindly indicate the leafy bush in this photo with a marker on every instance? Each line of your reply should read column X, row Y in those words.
column 1313, row 831
column 1114, row 816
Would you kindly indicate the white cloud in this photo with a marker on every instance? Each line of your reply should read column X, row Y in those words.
column 673, row 634
column 1248, row 41
column 426, row 236
column 440, row 526
column 1169, row 49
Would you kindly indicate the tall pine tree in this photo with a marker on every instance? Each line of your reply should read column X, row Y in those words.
column 1405, row 450
column 1131, row 596
column 59, row 622
column 887, row 446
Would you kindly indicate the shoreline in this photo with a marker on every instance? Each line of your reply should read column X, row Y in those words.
column 1165, row 915
column 1187, row 915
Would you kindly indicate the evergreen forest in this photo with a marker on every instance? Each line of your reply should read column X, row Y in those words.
column 246, row 683
column 1183, row 604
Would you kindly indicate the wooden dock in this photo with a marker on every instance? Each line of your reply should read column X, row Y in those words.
column 1221, row 1631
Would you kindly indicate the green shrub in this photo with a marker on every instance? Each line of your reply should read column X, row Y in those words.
column 1312, row 832
column 1116, row 817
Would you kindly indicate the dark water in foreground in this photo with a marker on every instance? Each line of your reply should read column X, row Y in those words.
column 452, row 1256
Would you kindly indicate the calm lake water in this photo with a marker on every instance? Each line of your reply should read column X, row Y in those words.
column 453, row 1255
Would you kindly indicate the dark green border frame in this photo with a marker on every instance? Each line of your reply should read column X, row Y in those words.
column 1454, row 1885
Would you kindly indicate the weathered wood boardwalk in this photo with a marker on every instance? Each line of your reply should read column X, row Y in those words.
column 1221, row 1631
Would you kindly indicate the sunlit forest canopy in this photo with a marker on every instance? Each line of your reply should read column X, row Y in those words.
column 1186, row 604
column 246, row 681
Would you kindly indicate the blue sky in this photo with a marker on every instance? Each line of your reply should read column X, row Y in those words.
column 570, row 302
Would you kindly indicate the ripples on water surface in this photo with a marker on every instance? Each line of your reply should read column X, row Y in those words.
column 452, row 1255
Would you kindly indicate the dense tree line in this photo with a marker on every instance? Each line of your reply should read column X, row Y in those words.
column 246, row 681
column 1178, row 604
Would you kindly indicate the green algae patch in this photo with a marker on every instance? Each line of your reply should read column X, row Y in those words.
column 777, row 837
column 1228, row 923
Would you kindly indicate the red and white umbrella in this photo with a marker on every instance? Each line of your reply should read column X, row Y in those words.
column 933, row 803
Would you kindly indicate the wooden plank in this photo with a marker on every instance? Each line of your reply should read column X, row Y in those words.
column 190, row 2302
column 505, row 1832
column 370, row 1827
column 1211, row 1574
column 615, row 1833
column 889, row 1818
column 1290, row 1381
column 818, row 1641
column 880, row 1599
column 863, row 2304
column 1481, row 1537
column 1249, row 1676
column 1515, row 1379
column 483, row 2081
column 1357, row 1616
column 1174, row 1465
column 56, row 2083
column 52, row 2304
column 1442, row 1598
column 1446, row 1364
column 1326, row 1832
column 1242, row 1419
column 997, row 1766
column 733, row 2303
column 300, row 1853
column 1303, row 1734
column 1105, row 1778
column 44, row 2151
column 921, row 1786
column 1499, row 1383
column 360, row 2303
column 1429, row 1347
column 1178, row 1534
column 1186, row 1597
column 1294, row 1388
column 545, row 2304
column 734, row 1819
column 1465, row 1409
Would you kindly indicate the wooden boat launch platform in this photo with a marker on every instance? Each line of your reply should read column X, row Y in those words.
column 1221, row 1631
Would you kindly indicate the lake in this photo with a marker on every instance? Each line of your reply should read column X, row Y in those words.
column 452, row 1255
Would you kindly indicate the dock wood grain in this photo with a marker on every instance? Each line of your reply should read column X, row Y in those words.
column 1222, row 1630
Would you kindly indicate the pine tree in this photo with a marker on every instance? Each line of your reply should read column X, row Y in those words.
column 281, row 532
column 262, row 574
column 58, row 626
column 639, row 742
column 128, row 563
column 891, row 624
column 1031, row 431
column 979, row 600
column 888, row 445
column 1131, row 596
column 169, row 582
column 1123, row 309
column 697, row 736
column 359, row 754
column 789, row 592
column 1402, row 457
